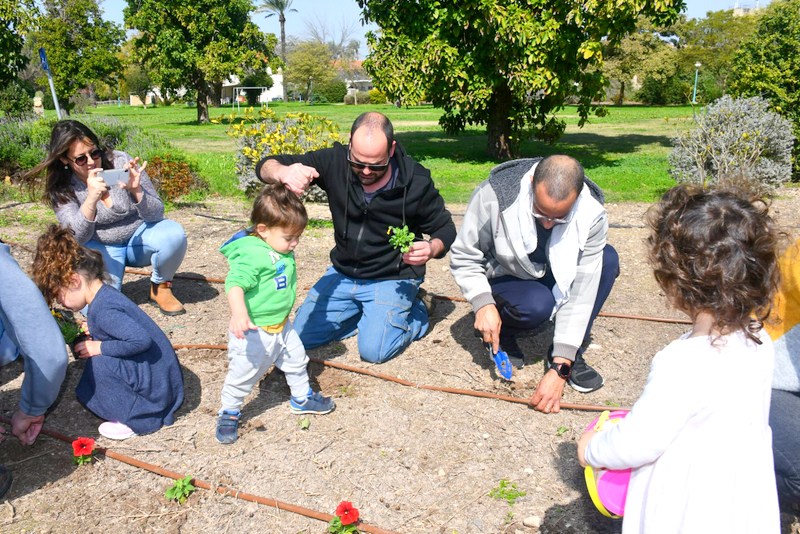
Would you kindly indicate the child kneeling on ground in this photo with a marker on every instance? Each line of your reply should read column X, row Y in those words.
column 698, row 439
column 261, row 287
column 131, row 377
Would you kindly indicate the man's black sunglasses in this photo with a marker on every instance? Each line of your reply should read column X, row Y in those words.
column 361, row 166
column 81, row 160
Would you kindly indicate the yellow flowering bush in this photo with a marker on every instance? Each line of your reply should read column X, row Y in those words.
column 261, row 133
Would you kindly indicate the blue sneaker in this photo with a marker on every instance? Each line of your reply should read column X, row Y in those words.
column 228, row 427
column 314, row 403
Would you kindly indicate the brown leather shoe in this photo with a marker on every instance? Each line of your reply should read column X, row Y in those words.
column 161, row 296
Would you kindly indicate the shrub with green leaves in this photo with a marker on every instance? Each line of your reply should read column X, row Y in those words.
column 262, row 133
column 15, row 102
column 23, row 144
column 736, row 142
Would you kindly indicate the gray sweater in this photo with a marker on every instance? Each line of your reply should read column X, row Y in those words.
column 114, row 225
column 490, row 245
column 30, row 330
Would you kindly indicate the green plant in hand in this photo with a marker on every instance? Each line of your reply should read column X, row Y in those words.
column 180, row 490
column 401, row 238
column 69, row 328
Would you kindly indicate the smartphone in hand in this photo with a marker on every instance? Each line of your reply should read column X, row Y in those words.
column 114, row 176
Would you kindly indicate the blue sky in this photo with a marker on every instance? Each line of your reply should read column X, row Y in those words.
column 335, row 13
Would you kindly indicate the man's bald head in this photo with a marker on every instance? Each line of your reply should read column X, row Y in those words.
column 374, row 122
column 560, row 175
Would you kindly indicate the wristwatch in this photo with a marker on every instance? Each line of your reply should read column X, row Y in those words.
column 563, row 370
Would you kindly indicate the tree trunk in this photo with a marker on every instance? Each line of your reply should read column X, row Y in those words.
column 621, row 95
column 202, row 101
column 502, row 143
column 282, row 20
column 216, row 94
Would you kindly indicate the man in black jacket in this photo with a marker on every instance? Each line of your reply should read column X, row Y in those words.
column 371, row 287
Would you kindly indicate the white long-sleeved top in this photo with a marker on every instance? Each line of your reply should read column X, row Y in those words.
column 698, row 440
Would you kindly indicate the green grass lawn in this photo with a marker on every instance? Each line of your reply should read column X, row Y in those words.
column 625, row 151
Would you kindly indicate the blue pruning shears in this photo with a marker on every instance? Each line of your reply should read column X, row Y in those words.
column 501, row 362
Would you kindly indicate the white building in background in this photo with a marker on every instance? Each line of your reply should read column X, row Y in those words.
column 231, row 89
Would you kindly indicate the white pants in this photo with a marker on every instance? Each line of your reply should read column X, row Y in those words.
column 250, row 358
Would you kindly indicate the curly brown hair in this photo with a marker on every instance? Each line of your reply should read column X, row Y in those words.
column 58, row 257
column 716, row 251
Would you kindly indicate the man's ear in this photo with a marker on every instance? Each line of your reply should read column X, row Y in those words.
column 391, row 149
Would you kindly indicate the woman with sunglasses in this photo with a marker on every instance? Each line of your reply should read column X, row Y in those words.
column 124, row 221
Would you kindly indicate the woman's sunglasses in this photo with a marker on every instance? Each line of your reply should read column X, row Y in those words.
column 81, row 160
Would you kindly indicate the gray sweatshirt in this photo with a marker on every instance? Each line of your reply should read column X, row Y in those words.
column 490, row 244
column 30, row 330
column 114, row 225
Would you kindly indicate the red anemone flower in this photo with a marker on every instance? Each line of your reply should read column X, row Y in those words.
column 83, row 446
column 348, row 514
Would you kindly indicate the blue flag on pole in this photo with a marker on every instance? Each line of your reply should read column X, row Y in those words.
column 43, row 57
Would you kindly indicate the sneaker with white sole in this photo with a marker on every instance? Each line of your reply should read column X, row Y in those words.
column 314, row 403
column 583, row 377
column 115, row 430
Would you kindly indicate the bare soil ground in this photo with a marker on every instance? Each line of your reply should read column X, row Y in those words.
column 410, row 459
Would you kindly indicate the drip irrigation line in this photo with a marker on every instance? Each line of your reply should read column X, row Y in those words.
column 204, row 278
column 185, row 276
column 396, row 380
column 222, row 490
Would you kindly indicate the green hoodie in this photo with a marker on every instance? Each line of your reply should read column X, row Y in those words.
column 268, row 278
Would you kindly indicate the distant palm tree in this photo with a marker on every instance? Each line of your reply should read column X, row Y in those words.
column 279, row 7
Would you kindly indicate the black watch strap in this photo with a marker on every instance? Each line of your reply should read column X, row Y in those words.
column 564, row 370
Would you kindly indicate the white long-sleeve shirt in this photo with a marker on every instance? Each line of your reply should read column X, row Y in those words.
column 698, row 440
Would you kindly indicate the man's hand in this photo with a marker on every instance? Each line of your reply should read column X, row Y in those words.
column 488, row 323
column 547, row 397
column 26, row 427
column 422, row 252
column 297, row 177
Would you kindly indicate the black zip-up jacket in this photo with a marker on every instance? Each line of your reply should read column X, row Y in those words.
column 362, row 241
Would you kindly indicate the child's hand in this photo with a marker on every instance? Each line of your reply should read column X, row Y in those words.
column 583, row 442
column 241, row 324
column 88, row 348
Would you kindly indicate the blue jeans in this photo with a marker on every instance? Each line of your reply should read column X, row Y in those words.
column 784, row 419
column 386, row 313
column 161, row 244
column 525, row 304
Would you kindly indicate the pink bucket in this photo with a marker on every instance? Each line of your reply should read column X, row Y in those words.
column 608, row 488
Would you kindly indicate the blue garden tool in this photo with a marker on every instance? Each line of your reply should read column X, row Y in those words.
column 501, row 362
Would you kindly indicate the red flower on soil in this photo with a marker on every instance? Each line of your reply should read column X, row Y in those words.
column 348, row 514
column 83, row 446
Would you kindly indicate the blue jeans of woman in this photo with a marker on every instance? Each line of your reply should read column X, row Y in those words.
column 784, row 419
column 161, row 244
column 386, row 314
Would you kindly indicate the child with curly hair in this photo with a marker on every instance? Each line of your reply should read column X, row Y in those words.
column 698, row 439
column 261, row 287
column 132, row 377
